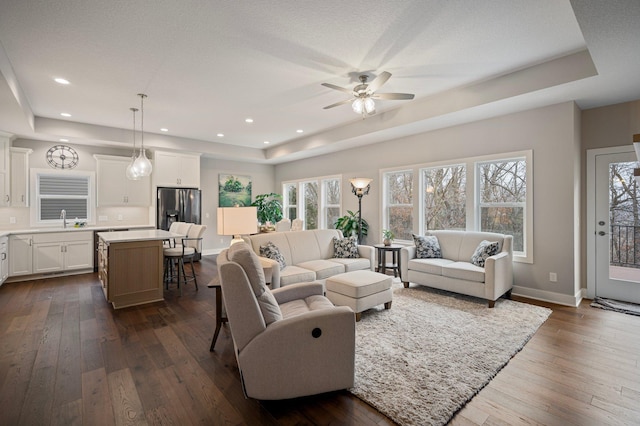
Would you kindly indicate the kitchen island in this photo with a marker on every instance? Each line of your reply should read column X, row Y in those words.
column 130, row 266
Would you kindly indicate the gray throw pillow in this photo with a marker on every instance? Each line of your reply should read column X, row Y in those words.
column 345, row 248
column 484, row 250
column 427, row 247
column 272, row 252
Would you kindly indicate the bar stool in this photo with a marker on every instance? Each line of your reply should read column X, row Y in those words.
column 177, row 255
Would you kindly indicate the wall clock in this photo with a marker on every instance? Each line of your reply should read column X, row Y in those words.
column 62, row 157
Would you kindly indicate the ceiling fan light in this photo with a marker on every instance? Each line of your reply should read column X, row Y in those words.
column 358, row 106
column 369, row 106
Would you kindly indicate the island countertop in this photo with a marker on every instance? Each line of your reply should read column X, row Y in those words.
column 141, row 235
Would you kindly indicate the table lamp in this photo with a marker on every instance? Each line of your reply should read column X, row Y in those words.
column 236, row 221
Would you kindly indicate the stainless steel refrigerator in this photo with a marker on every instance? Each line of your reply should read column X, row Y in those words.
column 177, row 205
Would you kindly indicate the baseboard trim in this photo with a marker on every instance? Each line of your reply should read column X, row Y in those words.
column 212, row 251
column 550, row 296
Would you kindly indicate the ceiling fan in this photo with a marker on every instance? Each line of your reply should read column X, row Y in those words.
column 365, row 93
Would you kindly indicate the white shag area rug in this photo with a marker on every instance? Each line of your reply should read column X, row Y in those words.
column 422, row 360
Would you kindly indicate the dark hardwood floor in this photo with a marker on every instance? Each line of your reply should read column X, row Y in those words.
column 66, row 357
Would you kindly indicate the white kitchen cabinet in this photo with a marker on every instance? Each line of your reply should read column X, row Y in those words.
column 20, row 176
column 20, row 255
column 113, row 187
column 4, row 259
column 176, row 170
column 50, row 252
column 62, row 251
column 4, row 170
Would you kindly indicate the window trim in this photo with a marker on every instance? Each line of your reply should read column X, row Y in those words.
column 300, row 207
column 35, row 196
column 472, row 222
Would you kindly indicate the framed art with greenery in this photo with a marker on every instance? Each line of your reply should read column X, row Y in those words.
column 234, row 190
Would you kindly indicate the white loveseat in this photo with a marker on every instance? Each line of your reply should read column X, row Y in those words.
column 455, row 272
column 308, row 256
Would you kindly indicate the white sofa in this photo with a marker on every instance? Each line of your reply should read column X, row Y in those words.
column 455, row 272
column 308, row 256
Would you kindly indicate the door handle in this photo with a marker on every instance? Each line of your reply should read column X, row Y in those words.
column 602, row 233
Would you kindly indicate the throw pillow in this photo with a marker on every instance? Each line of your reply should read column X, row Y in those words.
column 484, row 250
column 272, row 252
column 427, row 247
column 345, row 248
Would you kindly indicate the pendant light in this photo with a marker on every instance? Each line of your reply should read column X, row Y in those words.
column 132, row 173
column 142, row 165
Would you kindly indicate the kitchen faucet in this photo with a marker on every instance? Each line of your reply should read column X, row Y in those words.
column 63, row 216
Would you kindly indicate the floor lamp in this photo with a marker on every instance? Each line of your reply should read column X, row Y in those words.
column 360, row 187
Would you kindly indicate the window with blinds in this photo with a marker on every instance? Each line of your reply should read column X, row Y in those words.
column 56, row 193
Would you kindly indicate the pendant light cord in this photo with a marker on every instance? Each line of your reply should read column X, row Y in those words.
column 142, row 96
column 134, row 129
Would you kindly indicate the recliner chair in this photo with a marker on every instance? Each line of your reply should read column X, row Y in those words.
column 289, row 342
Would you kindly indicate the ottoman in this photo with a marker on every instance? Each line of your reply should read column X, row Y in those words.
column 359, row 290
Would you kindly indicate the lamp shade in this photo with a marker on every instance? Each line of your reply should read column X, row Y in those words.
column 360, row 183
column 237, row 220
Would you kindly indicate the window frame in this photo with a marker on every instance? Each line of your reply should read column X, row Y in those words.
column 472, row 194
column 322, row 198
column 35, row 176
column 385, row 197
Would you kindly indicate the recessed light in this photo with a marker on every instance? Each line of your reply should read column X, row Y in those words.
column 61, row 80
column 65, row 114
column 63, row 140
column 164, row 129
column 266, row 142
column 220, row 135
column 299, row 131
column 248, row 120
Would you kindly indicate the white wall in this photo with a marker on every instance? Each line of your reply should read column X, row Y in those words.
column 37, row 160
column 550, row 132
column 262, row 181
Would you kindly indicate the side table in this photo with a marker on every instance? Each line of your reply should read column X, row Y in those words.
column 220, row 317
column 381, row 253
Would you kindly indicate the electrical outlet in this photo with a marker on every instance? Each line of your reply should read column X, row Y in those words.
column 12, row 219
column 553, row 277
column 120, row 217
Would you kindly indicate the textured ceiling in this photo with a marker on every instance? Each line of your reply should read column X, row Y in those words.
column 206, row 66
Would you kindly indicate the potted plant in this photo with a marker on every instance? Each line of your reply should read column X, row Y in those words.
column 388, row 236
column 349, row 224
column 269, row 210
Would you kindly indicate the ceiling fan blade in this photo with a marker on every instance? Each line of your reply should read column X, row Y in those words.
column 393, row 96
column 346, row 101
column 334, row 87
column 379, row 81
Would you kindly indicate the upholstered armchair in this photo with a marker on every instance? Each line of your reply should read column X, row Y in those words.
column 289, row 342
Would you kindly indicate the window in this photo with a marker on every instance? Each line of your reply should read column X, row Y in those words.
column 331, row 202
column 319, row 203
column 502, row 191
column 444, row 194
column 290, row 200
column 310, row 204
column 70, row 191
column 490, row 194
column 398, row 195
